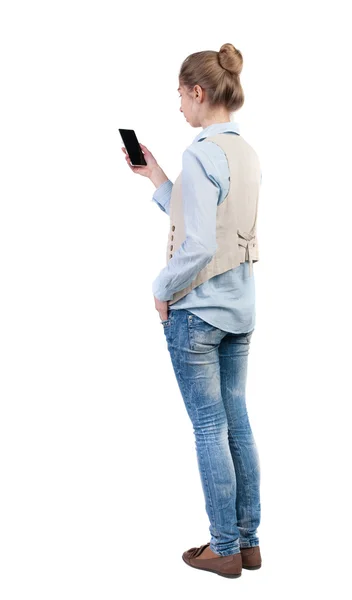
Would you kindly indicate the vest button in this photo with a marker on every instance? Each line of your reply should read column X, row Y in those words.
column 173, row 228
column 170, row 256
column 172, row 237
column 171, row 247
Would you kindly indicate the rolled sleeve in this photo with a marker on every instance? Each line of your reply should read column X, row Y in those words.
column 162, row 196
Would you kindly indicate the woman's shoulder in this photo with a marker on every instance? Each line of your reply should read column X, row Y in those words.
column 213, row 161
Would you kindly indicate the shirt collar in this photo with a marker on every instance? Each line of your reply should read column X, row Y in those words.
column 230, row 126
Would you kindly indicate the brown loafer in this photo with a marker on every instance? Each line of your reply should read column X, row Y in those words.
column 251, row 558
column 226, row 566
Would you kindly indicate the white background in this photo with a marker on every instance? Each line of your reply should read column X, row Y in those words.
column 100, row 492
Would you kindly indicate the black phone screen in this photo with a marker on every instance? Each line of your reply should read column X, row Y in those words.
column 133, row 148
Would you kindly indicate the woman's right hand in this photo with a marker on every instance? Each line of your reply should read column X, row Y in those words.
column 146, row 170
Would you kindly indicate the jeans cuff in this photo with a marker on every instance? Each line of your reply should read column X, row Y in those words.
column 249, row 543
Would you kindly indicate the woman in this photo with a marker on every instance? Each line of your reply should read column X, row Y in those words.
column 205, row 297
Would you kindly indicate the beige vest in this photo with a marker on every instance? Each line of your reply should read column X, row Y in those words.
column 236, row 216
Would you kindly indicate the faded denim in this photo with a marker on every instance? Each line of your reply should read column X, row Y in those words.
column 211, row 370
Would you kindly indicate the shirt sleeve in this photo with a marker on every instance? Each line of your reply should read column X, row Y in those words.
column 162, row 196
column 200, row 194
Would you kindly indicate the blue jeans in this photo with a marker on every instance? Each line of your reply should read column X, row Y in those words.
column 211, row 370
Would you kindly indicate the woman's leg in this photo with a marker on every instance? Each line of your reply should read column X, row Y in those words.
column 233, row 355
column 193, row 345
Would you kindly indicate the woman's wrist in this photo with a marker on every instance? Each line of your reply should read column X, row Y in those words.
column 158, row 176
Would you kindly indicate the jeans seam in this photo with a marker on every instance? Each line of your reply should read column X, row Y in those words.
column 208, row 488
column 246, row 486
column 190, row 338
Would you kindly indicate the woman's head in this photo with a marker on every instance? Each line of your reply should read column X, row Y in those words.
column 210, row 87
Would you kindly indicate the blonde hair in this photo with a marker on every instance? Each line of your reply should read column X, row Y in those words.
column 217, row 73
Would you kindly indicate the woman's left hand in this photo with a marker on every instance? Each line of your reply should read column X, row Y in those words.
column 162, row 306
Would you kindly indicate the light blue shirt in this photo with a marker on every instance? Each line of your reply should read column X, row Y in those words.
column 226, row 301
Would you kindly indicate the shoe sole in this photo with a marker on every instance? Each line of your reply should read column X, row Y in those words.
column 229, row 575
column 252, row 568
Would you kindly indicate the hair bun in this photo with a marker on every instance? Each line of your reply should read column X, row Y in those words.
column 230, row 59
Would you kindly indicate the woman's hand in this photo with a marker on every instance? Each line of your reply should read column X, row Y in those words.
column 150, row 167
column 162, row 306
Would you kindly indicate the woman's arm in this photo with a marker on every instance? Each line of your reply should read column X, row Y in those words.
column 200, row 196
column 162, row 196
column 157, row 176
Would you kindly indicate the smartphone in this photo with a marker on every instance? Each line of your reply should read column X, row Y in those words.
column 133, row 148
